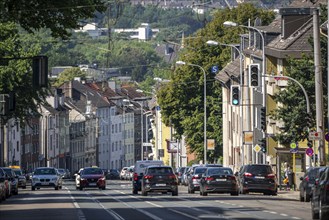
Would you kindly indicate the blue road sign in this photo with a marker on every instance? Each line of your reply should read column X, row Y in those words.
column 214, row 69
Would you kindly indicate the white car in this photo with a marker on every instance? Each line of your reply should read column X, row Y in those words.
column 46, row 177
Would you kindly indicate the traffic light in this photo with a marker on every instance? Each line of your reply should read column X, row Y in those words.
column 263, row 118
column 235, row 94
column 263, row 145
column 254, row 75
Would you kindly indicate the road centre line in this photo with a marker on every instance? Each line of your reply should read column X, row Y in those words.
column 81, row 216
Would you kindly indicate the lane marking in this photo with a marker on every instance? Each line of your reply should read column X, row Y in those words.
column 81, row 216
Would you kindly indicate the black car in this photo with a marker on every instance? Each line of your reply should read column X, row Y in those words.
column 193, row 183
column 257, row 178
column 113, row 174
column 307, row 182
column 218, row 180
column 159, row 179
column 320, row 195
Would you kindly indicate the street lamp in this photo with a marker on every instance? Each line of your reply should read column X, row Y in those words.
column 215, row 43
column 233, row 24
column 205, row 107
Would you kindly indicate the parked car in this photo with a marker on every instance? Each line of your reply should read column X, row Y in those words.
column 123, row 173
column 159, row 179
column 180, row 171
column 2, row 185
column 21, row 177
column 184, row 176
column 46, row 177
column 113, row 174
column 13, row 180
column 129, row 173
column 320, row 195
column 194, row 179
column 7, row 183
column 257, row 178
column 218, row 180
column 139, row 170
column 307, row 182
column 90, row 177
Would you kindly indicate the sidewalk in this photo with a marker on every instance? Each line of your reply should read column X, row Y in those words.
column 289, row 194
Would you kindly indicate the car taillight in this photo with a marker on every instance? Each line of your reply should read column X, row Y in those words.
column 327, row 187
column 231, row 177
column 271, row 176
column 209, row 178
column 172, row 176
column 247, row 174
column 148, row 177
column 195, row 177
column 135, row 176
column 307, row 179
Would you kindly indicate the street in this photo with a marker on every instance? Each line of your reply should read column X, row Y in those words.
column 117, row 202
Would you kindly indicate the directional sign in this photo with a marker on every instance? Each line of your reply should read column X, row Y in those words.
column 214, row 69
column 309, row 152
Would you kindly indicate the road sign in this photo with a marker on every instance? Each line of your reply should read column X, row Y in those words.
column 327, row 137
column 314, row 135
column 309, row 152
column 293, row 146
column 214, row 69
column 257, row 148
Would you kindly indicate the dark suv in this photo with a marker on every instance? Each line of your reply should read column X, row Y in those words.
column 307, row 182
column 320, row 195
column 159, row 179
column 257, row 178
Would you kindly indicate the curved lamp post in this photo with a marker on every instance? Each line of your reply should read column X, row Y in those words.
column 205, row 107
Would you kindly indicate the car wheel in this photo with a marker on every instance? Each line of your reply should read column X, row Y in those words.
column 81, row 188
column 24, row 187
column 104, row 188
column 135, row 191
column 235, row 193
column 56, row 187
column 32, row 188
column 175, row 192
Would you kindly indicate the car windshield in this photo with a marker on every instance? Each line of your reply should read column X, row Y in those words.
column 8, row 171
column 259, row 169
column 220, row 171
column 200, row 170
column 160, row 170
column 92, row 171
column 18, row 172
column 313, row 173
column 45, row 172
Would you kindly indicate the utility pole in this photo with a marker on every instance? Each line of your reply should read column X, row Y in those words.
column 318, row 85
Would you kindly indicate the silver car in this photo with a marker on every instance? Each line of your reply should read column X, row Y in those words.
column 46, row 177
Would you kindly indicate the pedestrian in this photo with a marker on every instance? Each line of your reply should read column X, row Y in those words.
column 287, row 172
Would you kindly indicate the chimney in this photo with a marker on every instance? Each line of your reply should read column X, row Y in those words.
column 293, row 19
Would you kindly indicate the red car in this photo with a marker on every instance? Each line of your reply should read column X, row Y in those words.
column 90, row 177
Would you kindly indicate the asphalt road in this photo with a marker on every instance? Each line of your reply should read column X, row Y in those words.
column 118, row 203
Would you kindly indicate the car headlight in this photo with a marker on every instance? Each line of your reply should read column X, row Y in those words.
column 35, row 179
column 54, row 179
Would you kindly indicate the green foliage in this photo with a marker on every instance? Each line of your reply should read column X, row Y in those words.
column 68, row 75
column 293, row 109
column 58, row 16
column 17, row 75
column 181, row 100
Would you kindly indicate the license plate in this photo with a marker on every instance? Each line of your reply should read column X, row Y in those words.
column 160, row 184
column 310, row 184
column 92, row 184
column 259, row 177
column 44, row 183
column 221, row 180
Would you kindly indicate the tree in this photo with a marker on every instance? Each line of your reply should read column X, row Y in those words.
column 68, row 75
column 58, row 16
column 181, row 100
